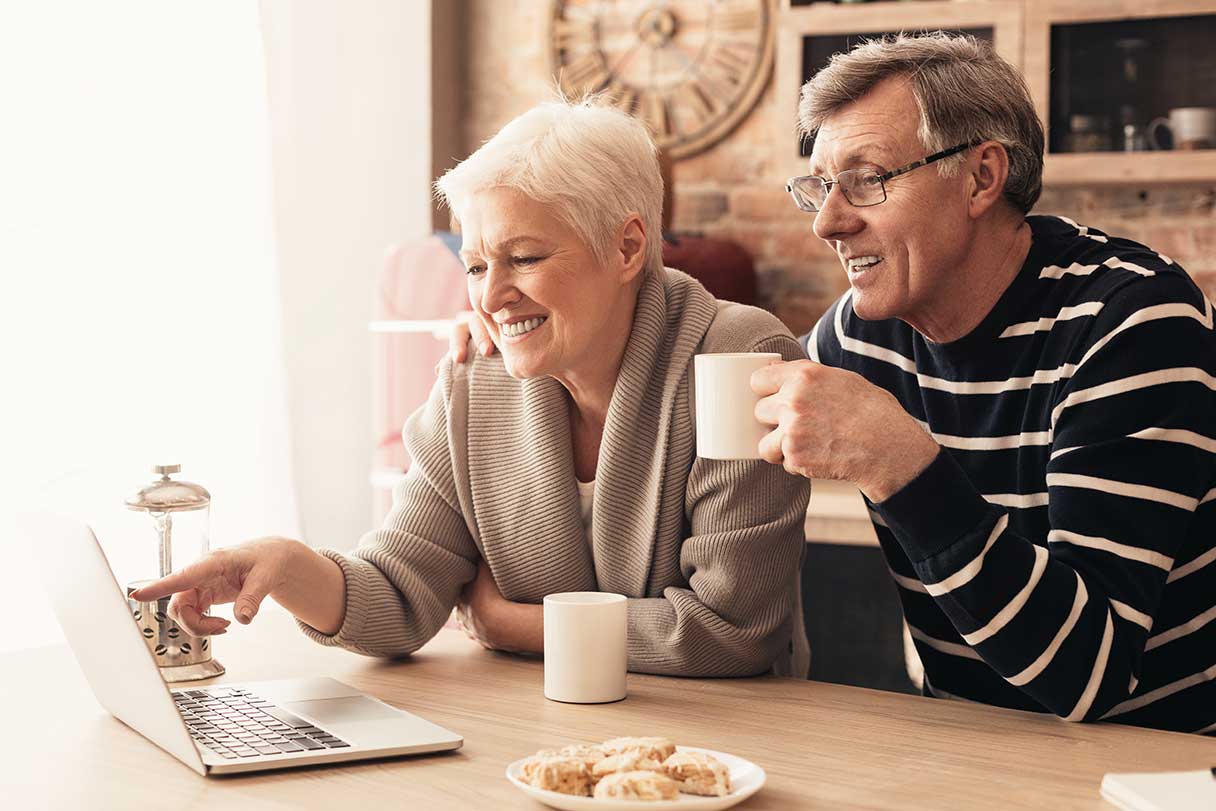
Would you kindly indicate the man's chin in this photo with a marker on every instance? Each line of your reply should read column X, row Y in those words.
column 869, row 307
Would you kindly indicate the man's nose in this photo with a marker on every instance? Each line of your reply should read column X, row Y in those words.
column 837, row 217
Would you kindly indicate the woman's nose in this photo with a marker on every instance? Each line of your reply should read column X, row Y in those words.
column 498, row 289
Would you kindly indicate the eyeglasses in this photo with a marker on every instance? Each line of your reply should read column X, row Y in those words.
column 861, row 187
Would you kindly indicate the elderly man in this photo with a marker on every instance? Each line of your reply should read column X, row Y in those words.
column 1027, row 404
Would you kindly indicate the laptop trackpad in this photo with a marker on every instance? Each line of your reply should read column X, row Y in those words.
column 334, row 711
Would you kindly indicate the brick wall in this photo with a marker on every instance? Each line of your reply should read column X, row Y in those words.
column 736, row 189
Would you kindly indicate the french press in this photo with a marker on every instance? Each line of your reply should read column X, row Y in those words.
column 178, row 514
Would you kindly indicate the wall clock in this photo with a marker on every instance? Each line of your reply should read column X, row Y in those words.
column 691, row 69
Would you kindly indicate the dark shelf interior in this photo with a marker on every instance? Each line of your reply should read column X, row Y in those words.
column 1173, row 66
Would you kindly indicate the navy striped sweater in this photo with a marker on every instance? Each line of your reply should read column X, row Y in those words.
column 1059, row 554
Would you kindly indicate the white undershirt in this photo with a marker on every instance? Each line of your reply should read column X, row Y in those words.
column 586, row 496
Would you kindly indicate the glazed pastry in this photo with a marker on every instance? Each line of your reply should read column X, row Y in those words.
column 560, row 773
column 630, row 761
column 654, row 748
column 698, row 773
column 590, row 754
column 637, row 785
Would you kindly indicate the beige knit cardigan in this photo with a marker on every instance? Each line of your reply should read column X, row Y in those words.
column 708, row 552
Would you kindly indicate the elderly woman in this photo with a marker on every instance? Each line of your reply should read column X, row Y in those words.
column 566, row 461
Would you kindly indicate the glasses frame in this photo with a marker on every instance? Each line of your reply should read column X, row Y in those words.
column 882, row 178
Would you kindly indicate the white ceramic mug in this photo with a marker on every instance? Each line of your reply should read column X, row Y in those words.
column 1189, row 128
column 727, row 427
column 586, row 652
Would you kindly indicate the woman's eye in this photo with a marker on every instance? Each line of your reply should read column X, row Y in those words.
column 473, row 270
column 525, row 260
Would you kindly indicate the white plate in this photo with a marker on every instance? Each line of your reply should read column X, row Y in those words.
column 746, row 778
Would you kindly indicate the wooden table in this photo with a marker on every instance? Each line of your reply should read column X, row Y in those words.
column 823, row 745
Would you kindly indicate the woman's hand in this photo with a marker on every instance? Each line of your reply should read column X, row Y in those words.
column 468, row 325
column 495, row 622
column 306, row 583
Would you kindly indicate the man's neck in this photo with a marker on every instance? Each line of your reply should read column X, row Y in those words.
column 996, row 255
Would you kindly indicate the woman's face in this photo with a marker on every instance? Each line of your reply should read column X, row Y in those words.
column 536, row 286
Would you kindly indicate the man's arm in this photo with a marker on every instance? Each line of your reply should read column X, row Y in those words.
column 1131, row 458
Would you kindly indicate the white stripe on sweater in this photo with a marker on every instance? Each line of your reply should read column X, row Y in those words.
column 1145, row 380
column 1179, row 631
column 1038, row 665
column 908, row 583
column 1179, row 436
column 942, row 646
column 1012, row 608
column 1095, row 676
column 1082, row 230
column 1141, row 491
column 1125, row 551
column 1162, row 692
column 993, row 443
column 812, row 343
column 1045, row 324
column 968, row 572
column 1192, row 566
column 1021, row 501
column 1145, row 315
column 1077, row 269
column 1132, row 615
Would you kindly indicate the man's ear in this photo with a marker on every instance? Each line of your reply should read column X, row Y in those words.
column 988, row 177
column 631, row 245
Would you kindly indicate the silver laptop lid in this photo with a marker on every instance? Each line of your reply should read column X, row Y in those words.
column 97, row 622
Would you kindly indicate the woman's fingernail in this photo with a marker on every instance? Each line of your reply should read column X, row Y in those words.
column 484, row 346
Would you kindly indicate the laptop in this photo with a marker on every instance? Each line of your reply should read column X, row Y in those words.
column 217, row 729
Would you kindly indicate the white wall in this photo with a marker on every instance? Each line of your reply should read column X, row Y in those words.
column 350, row 97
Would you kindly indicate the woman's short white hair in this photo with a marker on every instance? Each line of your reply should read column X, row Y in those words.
column 593, row 164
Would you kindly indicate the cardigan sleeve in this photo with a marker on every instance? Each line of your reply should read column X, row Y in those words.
column 741, row 559
column 404, row 579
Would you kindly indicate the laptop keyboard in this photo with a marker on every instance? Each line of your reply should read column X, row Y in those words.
column 235, row 723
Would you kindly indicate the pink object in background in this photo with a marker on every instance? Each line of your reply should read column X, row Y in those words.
column 421, row 280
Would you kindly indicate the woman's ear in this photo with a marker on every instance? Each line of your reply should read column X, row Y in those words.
column 988, row 178
column 631, row 245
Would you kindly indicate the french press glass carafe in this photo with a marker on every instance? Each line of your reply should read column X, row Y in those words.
column 178, row 515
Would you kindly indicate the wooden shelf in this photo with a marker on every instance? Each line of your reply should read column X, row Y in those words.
column 436, row 327
column 1110, row 168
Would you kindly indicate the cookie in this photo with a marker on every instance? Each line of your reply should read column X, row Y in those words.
column 698, row 773
column 655, row 748
column 637, row 785
column 560, row 773
column 631, row 761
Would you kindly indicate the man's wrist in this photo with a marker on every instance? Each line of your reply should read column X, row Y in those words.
column 902, row 468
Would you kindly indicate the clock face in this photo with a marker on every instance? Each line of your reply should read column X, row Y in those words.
column 691, row 69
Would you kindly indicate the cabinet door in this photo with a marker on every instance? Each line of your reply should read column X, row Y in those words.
column 1101, row 71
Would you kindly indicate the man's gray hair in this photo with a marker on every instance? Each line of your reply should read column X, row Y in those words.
column 591, row 163
column 964, row 90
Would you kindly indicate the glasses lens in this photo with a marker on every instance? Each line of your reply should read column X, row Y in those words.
column 808, row 192
column 862, row 187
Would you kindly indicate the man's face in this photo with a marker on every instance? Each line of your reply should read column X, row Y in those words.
column 900, row 255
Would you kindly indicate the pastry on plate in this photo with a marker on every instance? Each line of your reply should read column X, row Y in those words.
column 698, row 773
column 590, row 753
column 631, row 761
column 560, row 773
column 654, row 748
column 636, row 785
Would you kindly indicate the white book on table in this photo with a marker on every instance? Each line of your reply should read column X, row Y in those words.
column 1161, row 791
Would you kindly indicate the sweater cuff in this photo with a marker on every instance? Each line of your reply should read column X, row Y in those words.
column 356, row 604
column 934, row 510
